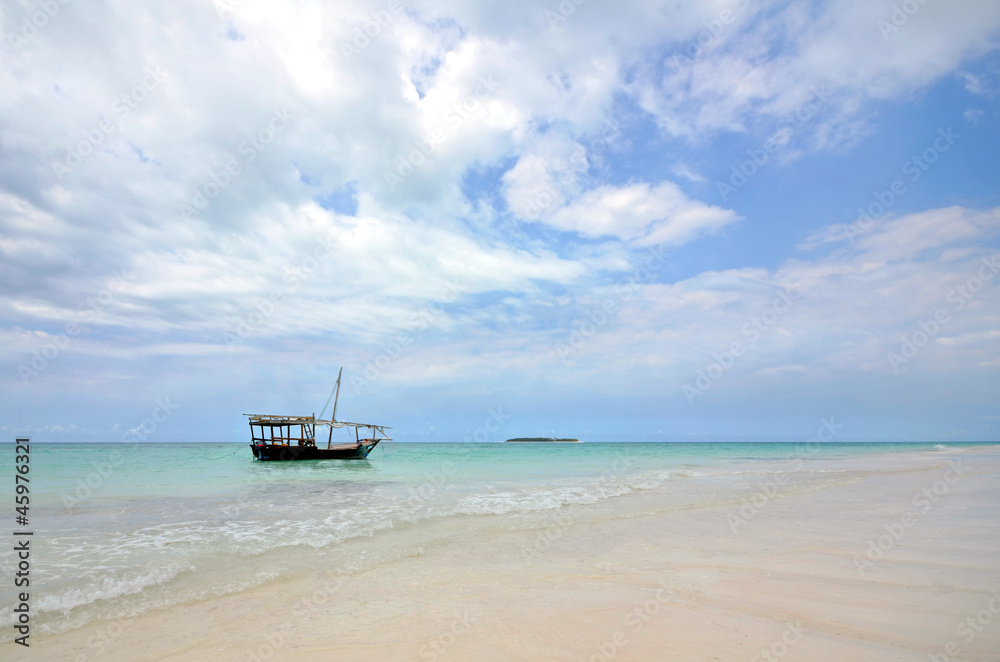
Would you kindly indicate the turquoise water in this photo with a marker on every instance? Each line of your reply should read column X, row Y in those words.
column 120, row 529
column 176, row 470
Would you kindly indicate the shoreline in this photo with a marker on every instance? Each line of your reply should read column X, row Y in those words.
column 663, row 583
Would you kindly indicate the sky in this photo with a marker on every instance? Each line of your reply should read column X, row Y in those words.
column 728, row 220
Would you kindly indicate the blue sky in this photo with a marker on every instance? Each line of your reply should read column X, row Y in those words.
column 546, row 214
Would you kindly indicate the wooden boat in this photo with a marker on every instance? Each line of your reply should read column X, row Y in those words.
column 283, row 438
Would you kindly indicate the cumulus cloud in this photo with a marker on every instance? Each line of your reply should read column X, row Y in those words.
column 644, row 214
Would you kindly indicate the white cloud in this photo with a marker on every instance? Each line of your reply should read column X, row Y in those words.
column 683, row 170
column 642, row 214
column 849, row 309
column 774, row 56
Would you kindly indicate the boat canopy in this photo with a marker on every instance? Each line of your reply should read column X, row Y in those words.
column 275, row 421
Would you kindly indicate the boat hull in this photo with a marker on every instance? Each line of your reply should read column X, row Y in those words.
column 281, row 453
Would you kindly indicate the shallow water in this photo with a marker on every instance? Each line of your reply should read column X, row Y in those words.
column 120, row 530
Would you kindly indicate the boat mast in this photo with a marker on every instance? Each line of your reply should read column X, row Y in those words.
column 335, row 396
column 336, row 389
column 333, row 414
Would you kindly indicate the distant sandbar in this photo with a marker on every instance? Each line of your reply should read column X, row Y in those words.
column 548, row 439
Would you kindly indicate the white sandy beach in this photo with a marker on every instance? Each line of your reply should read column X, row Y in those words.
column 795, row 582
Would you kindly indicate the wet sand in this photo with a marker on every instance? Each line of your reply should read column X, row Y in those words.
column 802, row 578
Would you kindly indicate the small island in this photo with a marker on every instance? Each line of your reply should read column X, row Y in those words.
column 545, row 439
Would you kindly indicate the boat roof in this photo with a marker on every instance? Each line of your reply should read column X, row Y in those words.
column 269, row 419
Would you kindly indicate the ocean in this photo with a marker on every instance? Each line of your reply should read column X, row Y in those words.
column 122, row 530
